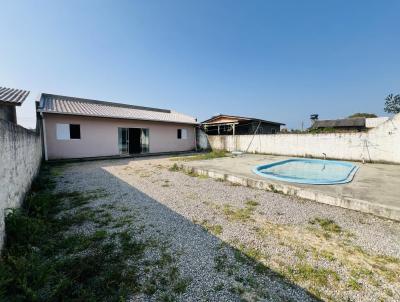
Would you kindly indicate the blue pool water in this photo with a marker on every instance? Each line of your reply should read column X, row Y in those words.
column 309, row 171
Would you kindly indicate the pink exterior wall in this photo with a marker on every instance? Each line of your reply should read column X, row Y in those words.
column 99, row 136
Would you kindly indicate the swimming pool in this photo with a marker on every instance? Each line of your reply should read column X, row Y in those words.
column 309, row 171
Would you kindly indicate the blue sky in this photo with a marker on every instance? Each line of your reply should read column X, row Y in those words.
column 277, row 60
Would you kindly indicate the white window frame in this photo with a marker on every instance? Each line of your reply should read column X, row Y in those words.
column 62, row 132
column 183, row 133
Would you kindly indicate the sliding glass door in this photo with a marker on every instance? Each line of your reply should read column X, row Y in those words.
column 133, row 140
column 144, row 140
column 123, row 140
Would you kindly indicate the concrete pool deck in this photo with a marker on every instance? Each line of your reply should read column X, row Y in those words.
column 375, row 188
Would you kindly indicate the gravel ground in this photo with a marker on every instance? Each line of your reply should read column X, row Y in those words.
column 296, row 250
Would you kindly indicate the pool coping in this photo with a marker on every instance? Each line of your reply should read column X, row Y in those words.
column 347, row 179
column 338, row 200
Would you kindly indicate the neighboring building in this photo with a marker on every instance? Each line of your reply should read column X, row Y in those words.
column 349, row 124
column 223, row 124
column 9, row 98
column 78, row 128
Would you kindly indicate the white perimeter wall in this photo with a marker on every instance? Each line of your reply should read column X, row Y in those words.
column 380, row 144
column 20, row 157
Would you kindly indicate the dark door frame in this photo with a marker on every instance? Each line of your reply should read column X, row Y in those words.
column 134, row 145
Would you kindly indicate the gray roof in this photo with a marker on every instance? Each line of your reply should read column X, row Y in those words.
column 12, row 96
column 347, row 122
column 238, row 118
column 52, row 103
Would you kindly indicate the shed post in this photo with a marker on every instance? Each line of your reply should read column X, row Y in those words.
column 233, row 136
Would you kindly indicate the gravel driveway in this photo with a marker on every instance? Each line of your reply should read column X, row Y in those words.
column 232, row 243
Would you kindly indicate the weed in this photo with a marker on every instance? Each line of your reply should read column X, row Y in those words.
column 204, row 156
column 328, row 225
column 354, row 284
column 180, row 286
column 219, row 287
column 215, row 229
column 238, row 290
column 272, row 188
column 220, row 262
column 327, row 255
column 175, row 168
column 252, row 203
column 240, row 214
column 316, row 276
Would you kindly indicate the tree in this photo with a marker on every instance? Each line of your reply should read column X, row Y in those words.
column 362, row 114
column 392, row 104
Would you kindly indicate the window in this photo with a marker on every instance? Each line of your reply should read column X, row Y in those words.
column 68, row 131
column 75, row 131
column 273, row 131
column 62, row 131
column 182, row 134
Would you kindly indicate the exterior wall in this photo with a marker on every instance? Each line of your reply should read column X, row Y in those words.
column 380, row 144
column 202, row 140
column 21, row 155
column 99, row 136
column 8, row 113
column 375, row 121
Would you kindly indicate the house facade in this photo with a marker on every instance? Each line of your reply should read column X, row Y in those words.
column 223, row 124
column 82, row 128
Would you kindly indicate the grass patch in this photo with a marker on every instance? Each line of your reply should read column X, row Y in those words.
column 220, row 262
column 219, row 287
column 240, row 214
column 251, row 203
column 215, row 229
column 245, row 254
column 315, row 276
column 203, row 156
column 174, row 168
column 328, row 225
column 181, row 285
column 44, row 260
column 354, row 284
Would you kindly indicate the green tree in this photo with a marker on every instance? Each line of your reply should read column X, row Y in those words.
column 362, row 114
column 392, row 104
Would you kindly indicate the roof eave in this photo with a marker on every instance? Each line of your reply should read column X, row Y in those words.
column 10, row 103
column 115, row 117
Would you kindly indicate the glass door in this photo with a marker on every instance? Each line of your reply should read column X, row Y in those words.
column 123, row 141
column 144, row 140
column 133, row 140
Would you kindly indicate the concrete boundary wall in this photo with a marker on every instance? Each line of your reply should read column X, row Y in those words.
column 380, row 144
column 20, row 158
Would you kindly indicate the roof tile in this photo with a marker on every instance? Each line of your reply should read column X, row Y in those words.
column 13, row 96
column 52, row 103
